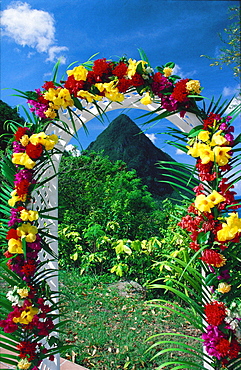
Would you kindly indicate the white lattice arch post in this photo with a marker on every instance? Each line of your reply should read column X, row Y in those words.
column 49, row 194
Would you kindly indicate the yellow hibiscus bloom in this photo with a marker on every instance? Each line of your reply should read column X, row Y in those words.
column 215, row 197
column 26, row 215
column 15, row 246
column 111, row 91
column 80, row 73
column 221, row 154
column 26, row 316
column 23, row 159
column 50, row 113
column 146, row 99
column 28, row 232
column 203, row 204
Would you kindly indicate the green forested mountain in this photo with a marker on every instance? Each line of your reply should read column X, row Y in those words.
column 123, row 140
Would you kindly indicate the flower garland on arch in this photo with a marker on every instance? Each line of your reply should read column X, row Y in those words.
column 30, row 303
column 214, row 228
column 94, row 81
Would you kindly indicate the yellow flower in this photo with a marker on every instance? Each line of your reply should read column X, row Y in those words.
column 47, row 141
column 193, row 86
column 221, row 154
column 26, row 316
column 215, row 197
column 206, row 154
column 167, row 71
column 79, row 73
column 218, row 139
column 15, row 198
column 28, row 232
column 23, row 292
column 146, row 99
column 203, row 136
column 24, row 140
column 23, row 364
column 224, row 287
column 88, row 96
column 203, row 204
column 131, row 70
column 50, row 142
column 59, row 97
column 234, row 220
column 15, row 246
column 23, row 159
column 26, row 215
column 50, row 113
column 110, row 90
column 194, row 150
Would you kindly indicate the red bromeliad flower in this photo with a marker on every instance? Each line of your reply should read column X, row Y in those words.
column 215, row 313
column 209, row 121
column 28, row 350
column 102, row 70
column 120, row 70
column 22, row 187
column 213, row 258
column 74, row 86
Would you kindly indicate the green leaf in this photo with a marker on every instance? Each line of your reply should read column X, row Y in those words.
column 203, row 237
column 195, row 131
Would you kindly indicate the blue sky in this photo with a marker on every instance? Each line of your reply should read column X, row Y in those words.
column 35, row 33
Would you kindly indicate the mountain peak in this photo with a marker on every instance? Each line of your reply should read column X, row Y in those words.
column 123, row 140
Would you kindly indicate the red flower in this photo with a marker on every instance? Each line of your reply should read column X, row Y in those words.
column 137, row 80
column 234, row 350
column 34, row 151
column 180, row 92
column 48, row 85
column 124, row 84
column 223, row 347
column 215, row 313
column 208, row 122
column 27, row 350
column 212, row 258
column 101, row 68
column 74, row 86
column 20, row 132
column 29, row 268
column 22, row 187
column 120, row 70
column 12, row 234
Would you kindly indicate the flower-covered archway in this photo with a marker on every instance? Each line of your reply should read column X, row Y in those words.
column 59, row 110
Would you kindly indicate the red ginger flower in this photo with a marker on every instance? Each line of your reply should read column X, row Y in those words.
column 101, row 67
column 49, row 85
column 12, row 234
column 213, row 258
column 27, row 350
column 22, row 187
column 209, row 121
column 137, row 80
column 235, row 349
column 215, row 313
column 74, row 86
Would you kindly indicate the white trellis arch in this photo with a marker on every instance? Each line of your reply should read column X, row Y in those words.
column 49, row 194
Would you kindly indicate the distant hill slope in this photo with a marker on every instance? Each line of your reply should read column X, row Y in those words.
column 123, row 140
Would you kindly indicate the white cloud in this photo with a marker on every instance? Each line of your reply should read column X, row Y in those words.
column 73, row 150
column 227, row 90
column 55, row 50
column 31, row 27
column 179, row 152
column 152, row 137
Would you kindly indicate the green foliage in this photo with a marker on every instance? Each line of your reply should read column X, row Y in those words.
column 7, row 114
column 230, row 53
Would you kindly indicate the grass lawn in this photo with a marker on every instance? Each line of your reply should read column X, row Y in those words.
column 109, row 331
